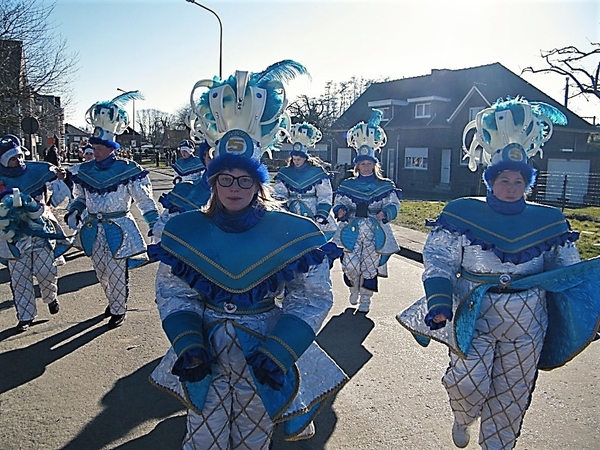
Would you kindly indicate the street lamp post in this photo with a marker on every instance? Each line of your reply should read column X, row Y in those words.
column 220, row 34
column 133, row 101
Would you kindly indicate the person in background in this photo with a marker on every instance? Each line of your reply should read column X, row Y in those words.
column 30, row 246
column 303, row 184
column 189, row 167
column 364, row 206
column 52, row 156
column 238, row 362
column 105, row 188
column 507, row 273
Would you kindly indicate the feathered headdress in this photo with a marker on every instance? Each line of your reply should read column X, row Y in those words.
column 303, row 136
column 367, row 138
column 244, row 116
column 109, row 118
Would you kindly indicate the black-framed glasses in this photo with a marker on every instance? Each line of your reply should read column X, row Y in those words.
column 244, row 181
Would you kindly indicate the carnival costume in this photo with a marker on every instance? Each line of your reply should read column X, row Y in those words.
column 306, row 189
column 508, row 275
column 105, row 190
column 242, row 363
column 30, row 236
column 190, row 168
column 367, row 240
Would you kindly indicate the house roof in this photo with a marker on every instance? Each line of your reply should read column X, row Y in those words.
column 74, row 131
column 487, row 83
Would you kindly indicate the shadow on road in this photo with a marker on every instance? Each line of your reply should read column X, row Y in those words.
column 342, row 338
column 23, row 365
column 131, row 402
column 76, row 281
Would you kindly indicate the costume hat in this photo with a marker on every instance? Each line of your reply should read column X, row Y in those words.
column 303, row 136
column 367, row 138
column 110, row 119
column 10, row 146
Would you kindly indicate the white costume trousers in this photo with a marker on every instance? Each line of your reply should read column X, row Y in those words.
column 112, row 274
column 36, row 260
column 497, row 378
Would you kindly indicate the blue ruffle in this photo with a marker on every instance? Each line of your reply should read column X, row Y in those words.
column 516, row 258
column 357, row 200
column 219, row 295
column 112, row 187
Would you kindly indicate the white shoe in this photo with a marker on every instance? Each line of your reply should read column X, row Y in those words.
column 460, row 435
column 353, row 298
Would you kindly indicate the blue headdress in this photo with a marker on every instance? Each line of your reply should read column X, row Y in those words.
column 367, row 138
column 10, row 146
column 243, row 116
column 509, row 133
column 109, row 119
column 303, row 136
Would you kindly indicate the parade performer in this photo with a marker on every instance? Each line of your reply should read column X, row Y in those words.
column 364, row 205
column 303, row 184
column 506, row 272
column 30, row 237
column 238, row 362
column 189, row 167
column 185, row 196
column 105, row 188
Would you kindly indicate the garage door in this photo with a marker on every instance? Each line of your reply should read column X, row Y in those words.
column 575, row 172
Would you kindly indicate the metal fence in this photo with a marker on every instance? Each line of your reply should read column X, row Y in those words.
column 567, row 189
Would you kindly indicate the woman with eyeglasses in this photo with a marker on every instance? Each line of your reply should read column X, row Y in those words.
column 239, row 362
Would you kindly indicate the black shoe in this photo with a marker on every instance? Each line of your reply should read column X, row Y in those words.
column 23, row 325
column 116, row 320
column 107, row 313
column 54, row 307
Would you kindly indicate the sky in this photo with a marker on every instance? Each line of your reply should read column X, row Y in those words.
column 162, row 47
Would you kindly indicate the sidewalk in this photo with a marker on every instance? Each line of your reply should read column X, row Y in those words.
column 411, row 242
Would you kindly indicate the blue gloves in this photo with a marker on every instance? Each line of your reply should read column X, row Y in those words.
column 193, row 365
column 266, row 371
column 434, row 312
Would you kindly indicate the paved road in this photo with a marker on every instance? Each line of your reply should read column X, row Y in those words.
column 70, row 383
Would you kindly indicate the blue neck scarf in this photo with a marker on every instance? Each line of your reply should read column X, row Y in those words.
column 507, row 208
column 240, row 221
column 106, row 163
column 13, row 172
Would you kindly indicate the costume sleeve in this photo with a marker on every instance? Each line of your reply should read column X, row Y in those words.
column 280, row 190
column 305, row 307
column 442, row 259
column 561, row 256
column 341, row 201
column 78, row 203
column 141, row 191
column 324, row 197
column 391, row 206
column 180, row 309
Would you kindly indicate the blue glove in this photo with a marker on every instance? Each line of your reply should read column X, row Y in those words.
column 434, row 312
column 266, row 371
column 193, row 365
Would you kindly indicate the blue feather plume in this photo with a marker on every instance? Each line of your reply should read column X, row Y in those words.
column 120, row 100
column 285, row 70
column 552, row 113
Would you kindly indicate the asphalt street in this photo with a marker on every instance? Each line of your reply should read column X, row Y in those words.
column 70, row 383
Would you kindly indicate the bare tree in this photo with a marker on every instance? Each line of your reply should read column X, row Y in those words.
column 34, row 61
column 154, row 125
column 580, row 67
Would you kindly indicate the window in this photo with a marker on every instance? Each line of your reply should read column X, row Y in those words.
column 473, row 112
column 422, row 110
column 416, row 158
column 387, row 113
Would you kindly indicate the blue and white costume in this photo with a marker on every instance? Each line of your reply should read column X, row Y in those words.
column 368, row 241
column 508, row 276
column 190, row 168
column 237, row 361
column 105, row 190
column 29, row 249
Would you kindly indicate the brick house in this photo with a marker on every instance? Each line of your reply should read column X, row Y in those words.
column 424, row 118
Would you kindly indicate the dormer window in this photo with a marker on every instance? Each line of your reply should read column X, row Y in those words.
column 422, row 110
column 387, row 113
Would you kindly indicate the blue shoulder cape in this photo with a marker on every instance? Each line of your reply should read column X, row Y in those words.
column 186, row 196
column 188, row 166
column 542, row 227
column 360, row 191
column 33, row 181
column 301, row 181
column 96, row 180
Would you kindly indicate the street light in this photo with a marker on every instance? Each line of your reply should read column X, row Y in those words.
column 133, row 127
column 220, row 34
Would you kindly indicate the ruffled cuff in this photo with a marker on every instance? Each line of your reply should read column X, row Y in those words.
column 434, row 312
